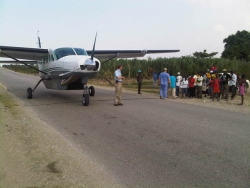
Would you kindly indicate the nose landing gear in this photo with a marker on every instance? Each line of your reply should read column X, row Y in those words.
column 86, row 93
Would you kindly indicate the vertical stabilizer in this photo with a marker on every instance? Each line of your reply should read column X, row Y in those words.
column 39, row 42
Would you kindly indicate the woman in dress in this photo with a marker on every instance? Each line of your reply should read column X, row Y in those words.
column 216, row 87
column 242, row 83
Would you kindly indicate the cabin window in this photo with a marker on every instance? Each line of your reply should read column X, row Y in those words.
column 45, row 59
column 51, row 58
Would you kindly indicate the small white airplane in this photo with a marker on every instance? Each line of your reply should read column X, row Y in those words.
column 68, row 68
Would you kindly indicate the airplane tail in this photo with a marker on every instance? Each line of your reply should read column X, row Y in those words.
column 39, row 42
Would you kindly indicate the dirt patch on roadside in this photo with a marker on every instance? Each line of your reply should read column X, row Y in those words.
column 33, row 154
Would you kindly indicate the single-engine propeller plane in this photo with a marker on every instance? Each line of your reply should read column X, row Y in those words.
column 68, row 68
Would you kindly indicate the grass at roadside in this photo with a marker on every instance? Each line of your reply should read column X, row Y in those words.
column 32, row 154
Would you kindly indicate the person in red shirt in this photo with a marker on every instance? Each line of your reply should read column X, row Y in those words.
column 191, row 82
column 216, row 87
column 214, row 69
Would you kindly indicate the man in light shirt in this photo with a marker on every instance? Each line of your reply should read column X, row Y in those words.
column 178, row 83
column 164, row 80
column 118, row 86
column 233, row 81
column 199, row 85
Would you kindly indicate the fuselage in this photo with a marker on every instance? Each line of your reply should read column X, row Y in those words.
column 66, row 64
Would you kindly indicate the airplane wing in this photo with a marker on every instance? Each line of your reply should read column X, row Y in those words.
column 14, row 62
column 35, row 54
column 106, row 54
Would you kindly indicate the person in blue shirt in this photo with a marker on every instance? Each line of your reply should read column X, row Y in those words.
column 173, row 85
column 118, row 86
column 155, row 78
column 164, row 79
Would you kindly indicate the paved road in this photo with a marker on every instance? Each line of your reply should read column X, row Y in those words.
column 147, row 142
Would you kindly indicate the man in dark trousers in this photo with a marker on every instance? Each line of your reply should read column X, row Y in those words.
column 139, row 78
column 224, row 79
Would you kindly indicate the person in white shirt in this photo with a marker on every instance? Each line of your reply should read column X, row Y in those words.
column 204, row 84
column 178, row 83
column 233, row 81
column 199, row 85
column 195, row 85
column 184, row 86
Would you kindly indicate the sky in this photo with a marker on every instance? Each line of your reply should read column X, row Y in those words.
column 186, row 25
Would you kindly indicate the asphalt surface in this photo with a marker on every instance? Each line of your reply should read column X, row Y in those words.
column 148, row 142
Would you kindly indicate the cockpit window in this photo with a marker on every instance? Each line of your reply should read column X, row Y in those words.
column 80, row 51
column 62, row 52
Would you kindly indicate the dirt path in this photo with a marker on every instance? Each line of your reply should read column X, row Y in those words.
column 34, row 155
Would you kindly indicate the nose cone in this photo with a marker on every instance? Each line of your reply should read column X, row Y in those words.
column 89, row 64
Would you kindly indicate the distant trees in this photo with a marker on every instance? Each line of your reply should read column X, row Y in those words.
column 237, row 46
column 204, row 54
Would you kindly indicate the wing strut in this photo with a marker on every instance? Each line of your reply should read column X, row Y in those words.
column 116, row 55
column 25, row 64
column 105, row 62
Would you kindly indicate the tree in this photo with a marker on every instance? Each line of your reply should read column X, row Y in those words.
column 237, row 46
column 204, row 54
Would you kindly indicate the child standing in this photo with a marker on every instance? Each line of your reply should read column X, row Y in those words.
column 242, row 83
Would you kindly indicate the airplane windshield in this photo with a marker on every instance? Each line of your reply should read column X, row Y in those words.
column 62, row 52
column 80, row 51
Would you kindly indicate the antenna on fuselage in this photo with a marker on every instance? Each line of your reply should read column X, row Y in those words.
column 39, row 42
column 93, row 51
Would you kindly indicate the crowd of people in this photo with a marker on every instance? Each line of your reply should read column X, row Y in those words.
column 207, row 84
column 197, row 85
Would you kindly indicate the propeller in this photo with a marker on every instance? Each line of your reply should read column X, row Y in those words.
column 89, row 63
column 93, row 51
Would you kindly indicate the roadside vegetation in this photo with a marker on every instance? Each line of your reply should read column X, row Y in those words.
column 186, row 65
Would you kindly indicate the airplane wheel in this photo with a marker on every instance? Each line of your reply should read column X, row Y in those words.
column 85, row 99
column 91, row 91
column 29, row 93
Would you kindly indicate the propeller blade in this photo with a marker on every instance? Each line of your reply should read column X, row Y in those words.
column 93, row 51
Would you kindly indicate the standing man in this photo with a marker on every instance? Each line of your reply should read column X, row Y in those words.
column 224, row 79
column 173, row 85
column 199, row 85
column 178, row 83
column 233, row 81
column 139, row 78
column 155, row 78
column 164, row 79
column 118, row 85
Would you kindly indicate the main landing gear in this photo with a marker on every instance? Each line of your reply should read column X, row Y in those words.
column 87, row 92
column 30, row 91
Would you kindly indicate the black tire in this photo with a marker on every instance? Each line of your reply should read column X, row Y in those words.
column 91, row 91
column 85, row 99
column 29, row 93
